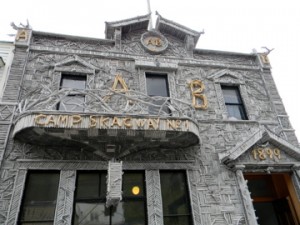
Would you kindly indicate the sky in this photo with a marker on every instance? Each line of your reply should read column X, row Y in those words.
column 231, row 25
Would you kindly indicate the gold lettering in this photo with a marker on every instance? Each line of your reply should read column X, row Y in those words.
column 269, row 153
column 197, row 87
column 119, row 81
column 154, row 41
column 103, row 121
column 62, row 120
column 76, row 119
column 187, row 125
column 153, row 123
column 40, row 119
column 265, row 153
column 277, row 153
column 115, row 122
column 261, row 153
column 178, row 124
column 171, row 124
column 140, row 122
column 127, row 122
column 93, row 122
column 264, row 58
column 50, row 120
column 22, row 35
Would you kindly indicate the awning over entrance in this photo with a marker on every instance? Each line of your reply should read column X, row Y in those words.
column 96, row 130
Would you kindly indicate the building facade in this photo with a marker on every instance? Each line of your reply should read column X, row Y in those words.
column 143, row 128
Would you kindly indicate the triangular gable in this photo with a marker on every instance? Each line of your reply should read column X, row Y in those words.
column 136, row 23
column 74, row 64
column 261, row 136
column 177, row 30
column 226, row 76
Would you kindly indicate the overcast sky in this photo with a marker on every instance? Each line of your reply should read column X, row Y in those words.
column 231, row 25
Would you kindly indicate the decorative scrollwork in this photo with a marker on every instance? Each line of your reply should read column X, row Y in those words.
column 96, row 101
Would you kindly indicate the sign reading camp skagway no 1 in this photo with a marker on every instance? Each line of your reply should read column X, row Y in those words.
column 106, row 122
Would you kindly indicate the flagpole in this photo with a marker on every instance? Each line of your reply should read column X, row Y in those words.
column 150, row 27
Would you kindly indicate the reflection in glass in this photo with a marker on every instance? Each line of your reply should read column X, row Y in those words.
column 90, row 200
column 91, row 213
column 175, row 198
column 234, row 103
column 40, row 196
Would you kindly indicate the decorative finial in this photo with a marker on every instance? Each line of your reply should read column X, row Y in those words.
column 21, row 26
column 267, row 50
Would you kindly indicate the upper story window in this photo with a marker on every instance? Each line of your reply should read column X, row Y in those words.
column 157, row 85
column 74, row 101
column 39, row 201
column 233, row 102
column 90, row 200
column 175, row 198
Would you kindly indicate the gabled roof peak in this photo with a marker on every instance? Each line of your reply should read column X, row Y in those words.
column 163, row 25
column 175, row 29
column 135, row 23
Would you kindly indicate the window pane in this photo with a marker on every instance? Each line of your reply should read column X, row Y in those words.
column 260, row 187
column 131, row 212
column 88, row 186
column 231, row 95
column 41, row 187
column 174, row 193
column 265, row 213
column 133, row 184
column 157, row 85
column 177, row 220
column 233, row 102
column 40, row 197
column 91, row 213
column 77, row 82
column 235, row 111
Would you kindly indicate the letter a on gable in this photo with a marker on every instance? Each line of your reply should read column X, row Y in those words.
column 119, row 84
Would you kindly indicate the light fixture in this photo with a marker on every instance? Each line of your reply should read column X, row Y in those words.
column 135, row 190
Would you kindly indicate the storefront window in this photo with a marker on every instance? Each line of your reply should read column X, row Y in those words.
column 39, row 202
column 90, row 200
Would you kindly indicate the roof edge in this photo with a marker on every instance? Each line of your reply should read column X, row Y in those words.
column 120, row 23
column 177, row 26
column 72, row 37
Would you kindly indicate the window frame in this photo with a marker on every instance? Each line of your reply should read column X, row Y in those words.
column 26, row 183
column 167, row 88
column 240, row 105
column 82, row 77
column 187, row 195
column 103, row 199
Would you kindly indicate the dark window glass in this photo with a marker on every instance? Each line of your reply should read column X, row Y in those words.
column 39, row 202
column 76, row 82
column 176, row 204
column 157, row 85
column 74, row 101
column 90, row 200
column 234, row 103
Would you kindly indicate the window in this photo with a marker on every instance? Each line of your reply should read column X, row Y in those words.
column 74, row 101
column 175, row 199
column 157, row 85
column 234, row 103
column 274, row 198
column 90, row 200
column 39, row 201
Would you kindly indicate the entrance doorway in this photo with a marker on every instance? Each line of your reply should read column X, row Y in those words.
column 274, row 198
